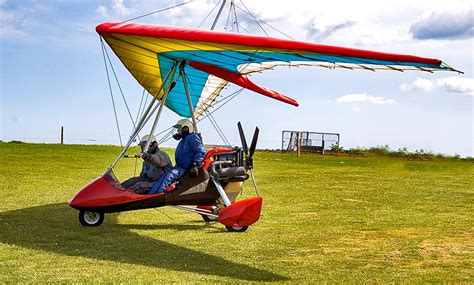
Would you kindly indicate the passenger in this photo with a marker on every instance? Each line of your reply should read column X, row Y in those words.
column 155, row 163
column 189, row 156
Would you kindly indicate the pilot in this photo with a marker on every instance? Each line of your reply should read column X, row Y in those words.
column 155, row 163
column 189, row 156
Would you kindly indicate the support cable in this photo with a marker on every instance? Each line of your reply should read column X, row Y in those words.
column 167, row 135
column 120, row 88
column 232, row 7
column 257, row 19
column 140, row 106
column 254, row 18
column 229, row 14
column 158, row 11
column 245, row 29
column 226, row 100
column 229, row 97
column 110, row 89
column 218, row 129
column 217, row 4
column 213, row 122
column 144, row 104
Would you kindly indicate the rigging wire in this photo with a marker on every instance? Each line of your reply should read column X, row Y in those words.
column 135, row 169
column 140, row 106
column 250, row 13
column 247, row 31
column 144, row 104
column 216, row 126
column 209, row 14
column 110, row 89
column 158, row 11
column 229, row 14
column 258, row 24
column 232, row 7
column 167, row 136
column 228, row 98
column 120, row 88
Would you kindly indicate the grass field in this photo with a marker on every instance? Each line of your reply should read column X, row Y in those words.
column 325, row 218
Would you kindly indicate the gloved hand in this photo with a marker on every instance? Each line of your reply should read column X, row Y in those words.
column 194, row 171
column 145, row 155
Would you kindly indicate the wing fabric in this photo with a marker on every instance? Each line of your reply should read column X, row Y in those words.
column 216, row 58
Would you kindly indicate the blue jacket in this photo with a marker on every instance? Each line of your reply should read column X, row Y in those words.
column 190, row 151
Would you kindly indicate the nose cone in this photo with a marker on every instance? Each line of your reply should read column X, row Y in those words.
column 91, row 194
column 104, row 193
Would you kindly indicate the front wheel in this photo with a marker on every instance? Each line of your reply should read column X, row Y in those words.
column 237, row 229
column 90, row 219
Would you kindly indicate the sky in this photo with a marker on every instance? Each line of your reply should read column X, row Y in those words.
column 52, row 73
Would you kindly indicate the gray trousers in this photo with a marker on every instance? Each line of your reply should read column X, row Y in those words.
column 138, row 184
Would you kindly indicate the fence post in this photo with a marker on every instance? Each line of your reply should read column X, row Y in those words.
column 62, row 135
column 323, row 143
column 298, row 143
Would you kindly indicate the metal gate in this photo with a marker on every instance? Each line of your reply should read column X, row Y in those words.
column 308, row 141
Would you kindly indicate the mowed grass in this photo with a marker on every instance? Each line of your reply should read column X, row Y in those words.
column 325, row 218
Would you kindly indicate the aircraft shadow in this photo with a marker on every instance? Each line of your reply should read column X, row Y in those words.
column 55, row 228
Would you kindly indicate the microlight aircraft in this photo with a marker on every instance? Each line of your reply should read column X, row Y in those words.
column 186, row 70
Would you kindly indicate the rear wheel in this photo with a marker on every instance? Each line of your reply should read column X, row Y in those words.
column 209, row 218
column 213, row 210
column 91, row 219
column 237, row 229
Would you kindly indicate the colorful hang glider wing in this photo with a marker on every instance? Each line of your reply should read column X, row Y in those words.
column 216, row 58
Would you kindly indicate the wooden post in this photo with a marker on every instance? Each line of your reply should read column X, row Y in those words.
column 62, row 135
column 323, row 143
column 298, row 143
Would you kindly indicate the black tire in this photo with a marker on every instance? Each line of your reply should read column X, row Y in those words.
column 91, row 219
column 237, row 229
column 209, row 218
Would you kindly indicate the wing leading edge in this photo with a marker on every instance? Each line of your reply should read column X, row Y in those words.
column 216, row 58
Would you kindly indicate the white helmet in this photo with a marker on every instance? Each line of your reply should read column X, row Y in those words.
column 146, row 138
column 185, row 123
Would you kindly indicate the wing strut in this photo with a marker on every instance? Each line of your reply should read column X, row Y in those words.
column 186, row 90
column 146, row 116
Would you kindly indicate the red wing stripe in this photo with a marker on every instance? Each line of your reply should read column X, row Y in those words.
column 251, row 41
column 241, row 80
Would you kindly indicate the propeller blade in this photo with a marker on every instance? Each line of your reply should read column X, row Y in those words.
column 253, row 145
column 242, row 139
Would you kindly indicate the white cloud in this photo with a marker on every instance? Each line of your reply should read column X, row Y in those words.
column 444, row 25
column 319, row 29
column 356, row 109
column 363, row 97
column 102, row 10
column 419, row 85
column 16, row 21
column 457, row 84
column 453, row 84
column 120, row 8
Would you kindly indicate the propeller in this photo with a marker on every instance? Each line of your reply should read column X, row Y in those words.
column 242, row 139
column 248, row 152
column 253, row 145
